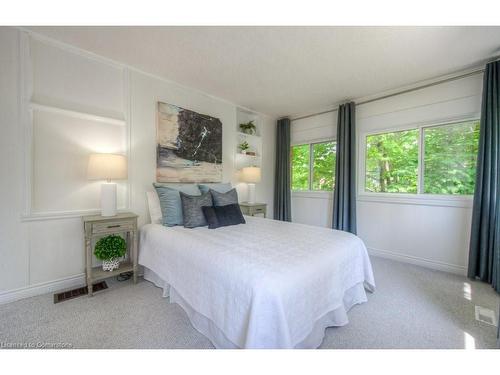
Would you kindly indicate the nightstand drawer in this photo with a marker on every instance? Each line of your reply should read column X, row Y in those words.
column 112, row 226
column 253, row 209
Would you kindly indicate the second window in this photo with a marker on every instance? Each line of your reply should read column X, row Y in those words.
column 313, row 166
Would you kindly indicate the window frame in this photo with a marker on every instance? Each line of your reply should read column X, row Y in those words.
column 410, row 198
column 311, row 161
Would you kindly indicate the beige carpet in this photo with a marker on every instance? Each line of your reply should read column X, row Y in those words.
column 412, row 308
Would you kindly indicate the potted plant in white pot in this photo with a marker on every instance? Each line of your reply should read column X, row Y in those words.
column 110, row 250
column 244, row 147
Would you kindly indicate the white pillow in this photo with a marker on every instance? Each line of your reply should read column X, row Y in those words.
column 154, row 207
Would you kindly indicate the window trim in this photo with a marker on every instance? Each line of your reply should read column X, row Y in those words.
column 309, row 191
column 411, row 198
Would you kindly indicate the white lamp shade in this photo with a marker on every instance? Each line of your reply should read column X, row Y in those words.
column 107, row 167
column 251, row 175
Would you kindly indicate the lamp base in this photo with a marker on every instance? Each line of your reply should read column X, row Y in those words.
column 251, row 193
column 108, row 199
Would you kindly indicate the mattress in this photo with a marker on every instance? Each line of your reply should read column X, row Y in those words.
column 264, row 284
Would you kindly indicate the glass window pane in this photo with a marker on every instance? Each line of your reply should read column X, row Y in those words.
column 300, row 167
column 392, row 162
column 450, row 158
column 323, row 166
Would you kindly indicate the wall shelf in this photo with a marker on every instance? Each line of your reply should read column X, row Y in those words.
column 254, row 140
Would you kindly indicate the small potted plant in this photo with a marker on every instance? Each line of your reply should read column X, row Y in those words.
column 244, row 146
column 110, row 250
column 248, row 128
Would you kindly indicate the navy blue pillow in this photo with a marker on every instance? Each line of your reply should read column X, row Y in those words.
column 223, row 216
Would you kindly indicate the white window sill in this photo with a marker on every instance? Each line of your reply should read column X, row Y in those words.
column 314, row 194
column 461, row 201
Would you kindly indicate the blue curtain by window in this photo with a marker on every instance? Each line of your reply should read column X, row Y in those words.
column 282, row 210
column 344, row 193
column 484, row 250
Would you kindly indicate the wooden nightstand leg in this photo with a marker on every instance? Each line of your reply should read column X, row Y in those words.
column 88, row 262
column 134, row 254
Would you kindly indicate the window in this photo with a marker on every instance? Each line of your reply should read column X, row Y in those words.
column 300, row 167
column 446, row 153
column 323, row 166
column 313, row 166
column 450, row 154
column 392, row 162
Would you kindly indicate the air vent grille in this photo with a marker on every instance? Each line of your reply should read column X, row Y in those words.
column 70, row 294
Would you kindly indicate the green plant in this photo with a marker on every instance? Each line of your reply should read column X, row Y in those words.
column 248, row 128
column 110, row 247
column 244, row 146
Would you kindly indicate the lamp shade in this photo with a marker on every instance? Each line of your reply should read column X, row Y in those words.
column 107, row 167
column 250, row 175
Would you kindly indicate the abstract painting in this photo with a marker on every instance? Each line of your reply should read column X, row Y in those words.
column 189, row 146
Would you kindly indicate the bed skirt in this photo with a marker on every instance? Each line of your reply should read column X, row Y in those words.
column 205, row 326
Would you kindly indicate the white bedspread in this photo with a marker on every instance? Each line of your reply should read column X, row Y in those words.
column 264, row 284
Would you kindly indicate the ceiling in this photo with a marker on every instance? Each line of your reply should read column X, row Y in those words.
column 289, row 70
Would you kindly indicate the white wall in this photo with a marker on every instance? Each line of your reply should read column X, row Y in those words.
column 421, row 230
column 80, row 103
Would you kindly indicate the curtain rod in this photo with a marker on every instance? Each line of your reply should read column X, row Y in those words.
column 449, row 79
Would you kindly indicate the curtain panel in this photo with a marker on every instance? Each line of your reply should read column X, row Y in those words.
column 282, row 188
column 344, row 194
column 484, row 249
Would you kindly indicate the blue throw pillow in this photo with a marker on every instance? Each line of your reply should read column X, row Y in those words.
column 223, row 199
column 170, row 201
column 220, row 188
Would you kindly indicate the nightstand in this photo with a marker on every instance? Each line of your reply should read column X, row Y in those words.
column 253, row 209
column 98, row 226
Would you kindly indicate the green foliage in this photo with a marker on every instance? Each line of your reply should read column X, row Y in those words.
column 248, row 128
column 300, row 167
column 450, row 154
column 244, row 146
column 110, row 247
column 323, row 166
column 392, row 162
column 450, row 158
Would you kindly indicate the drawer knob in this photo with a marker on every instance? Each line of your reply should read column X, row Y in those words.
column 114, row 226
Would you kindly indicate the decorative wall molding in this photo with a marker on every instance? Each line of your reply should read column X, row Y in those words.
column 418, row 261
column 60, row 215
column 77, row 114
column 91, row 55
column 25, row 117
column 27, row 106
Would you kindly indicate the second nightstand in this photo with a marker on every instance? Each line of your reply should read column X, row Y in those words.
column 253, row 209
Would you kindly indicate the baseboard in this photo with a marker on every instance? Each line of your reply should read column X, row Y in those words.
column 42, row 288
column 432, row 264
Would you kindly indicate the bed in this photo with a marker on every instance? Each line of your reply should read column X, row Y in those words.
column 263, row 284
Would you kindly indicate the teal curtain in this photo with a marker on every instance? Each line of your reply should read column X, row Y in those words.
column 282, row 188
column 344, row 193
column 484, row 250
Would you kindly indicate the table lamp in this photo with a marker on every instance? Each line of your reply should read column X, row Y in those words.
column 251, row 175
column 107, row 167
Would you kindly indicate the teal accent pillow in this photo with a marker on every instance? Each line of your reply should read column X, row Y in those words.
column 170, row 201
column 220, row 188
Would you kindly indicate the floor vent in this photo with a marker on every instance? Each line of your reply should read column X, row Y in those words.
column 70, row 294
column 485, row 315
